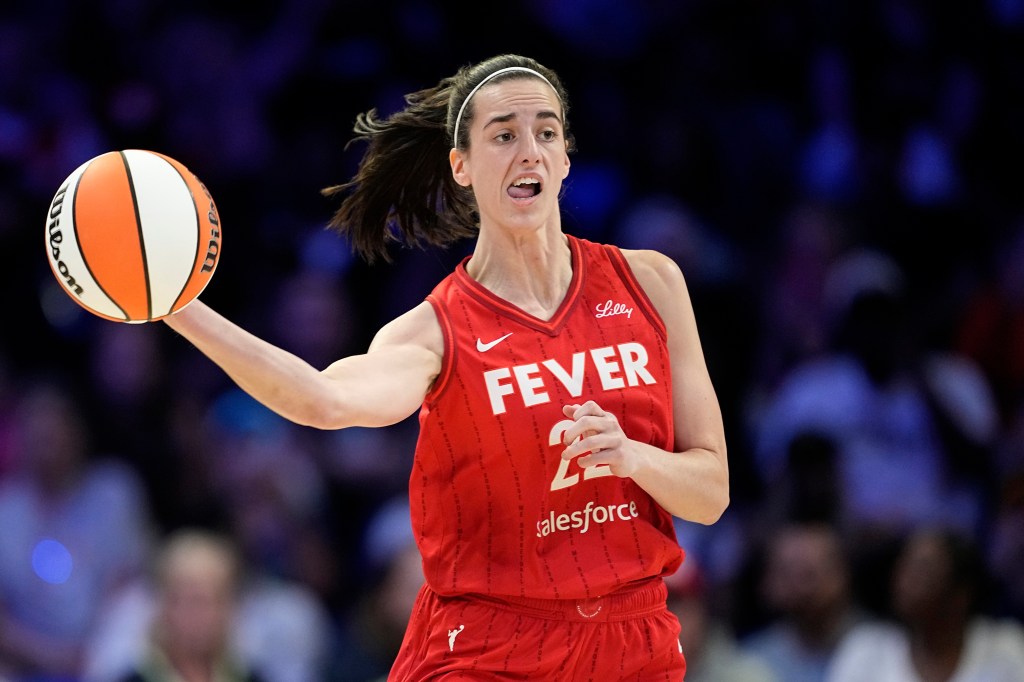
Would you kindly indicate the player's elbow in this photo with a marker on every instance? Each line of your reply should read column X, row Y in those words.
column 335, row 410
column 715, row 499
column 319, row 417
column 704, row 506
column 325, row 410
column 310, row 414
column 716, row 505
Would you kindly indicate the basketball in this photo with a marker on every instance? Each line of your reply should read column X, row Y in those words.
column 133, row 236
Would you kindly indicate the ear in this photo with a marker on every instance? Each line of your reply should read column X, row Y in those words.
column 457, row 160
column 565, row 169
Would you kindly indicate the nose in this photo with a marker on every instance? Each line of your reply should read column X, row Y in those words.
column 530, row 150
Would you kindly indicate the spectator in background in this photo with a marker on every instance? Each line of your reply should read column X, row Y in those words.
column 810, row 489
column 991, row 327
column 877, row 68
column 940, row 632
column 312, row 316
column 275, row 494
column 75, row 527
column 270, row 491
column 283, row 629
column 806, row 586
column 129, row 398
column 197, row 597
column 371, row 633
column 887, row 407
column 1005, row 544
column 244, row 625
column 8, row 423
column 793, row 311
column 712, row 651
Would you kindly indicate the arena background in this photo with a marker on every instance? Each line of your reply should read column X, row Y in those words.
column 790, row 155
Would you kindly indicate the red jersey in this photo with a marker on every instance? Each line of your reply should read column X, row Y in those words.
column 495, row 509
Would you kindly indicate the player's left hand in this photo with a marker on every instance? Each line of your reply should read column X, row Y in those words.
column 597, row 438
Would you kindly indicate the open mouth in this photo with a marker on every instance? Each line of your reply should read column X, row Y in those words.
column 524, row 188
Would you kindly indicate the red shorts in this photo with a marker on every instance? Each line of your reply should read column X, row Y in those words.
column 624, row 636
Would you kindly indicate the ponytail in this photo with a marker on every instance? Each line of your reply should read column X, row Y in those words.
column 404, row 191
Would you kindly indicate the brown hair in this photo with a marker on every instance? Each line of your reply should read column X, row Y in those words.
column 403, row 190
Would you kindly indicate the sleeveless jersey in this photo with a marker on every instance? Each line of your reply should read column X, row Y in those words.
column 495, row 509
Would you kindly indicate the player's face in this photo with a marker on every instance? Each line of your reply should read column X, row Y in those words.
column 517, row 158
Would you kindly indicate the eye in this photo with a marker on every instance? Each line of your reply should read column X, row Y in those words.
column 548, row 135
column 503, row 137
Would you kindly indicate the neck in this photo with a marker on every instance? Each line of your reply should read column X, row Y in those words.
column 192, row 669
column 532, row 271
column 939, row 635
column 823, row 629
column 935, row 654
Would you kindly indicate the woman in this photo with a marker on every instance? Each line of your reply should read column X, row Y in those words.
column 565, row 406
column 197, row 581
column 939, row 630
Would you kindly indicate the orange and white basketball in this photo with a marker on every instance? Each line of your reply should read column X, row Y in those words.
column 133, row 236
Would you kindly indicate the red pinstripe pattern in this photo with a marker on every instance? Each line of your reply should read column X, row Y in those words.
column 494, row 510
column 462, row 638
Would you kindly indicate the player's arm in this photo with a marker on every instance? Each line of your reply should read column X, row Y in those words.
column 692, row 482
column 380, row 387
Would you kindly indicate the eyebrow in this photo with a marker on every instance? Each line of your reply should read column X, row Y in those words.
column 505, row 118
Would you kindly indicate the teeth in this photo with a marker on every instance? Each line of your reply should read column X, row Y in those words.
column 525, row 181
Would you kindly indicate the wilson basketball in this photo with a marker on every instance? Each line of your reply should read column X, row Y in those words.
column 133, row 236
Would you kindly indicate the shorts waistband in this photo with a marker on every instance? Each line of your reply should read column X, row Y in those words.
column 634, row 602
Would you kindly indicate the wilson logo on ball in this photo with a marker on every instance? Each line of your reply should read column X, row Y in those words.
column 133, row 236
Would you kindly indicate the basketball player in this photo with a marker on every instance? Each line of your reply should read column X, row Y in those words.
column 565, row 406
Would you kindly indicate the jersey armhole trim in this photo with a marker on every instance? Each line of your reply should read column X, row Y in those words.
column 448, row 358
column 622, row 265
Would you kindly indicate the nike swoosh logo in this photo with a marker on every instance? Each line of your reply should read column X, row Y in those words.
column 484, row 347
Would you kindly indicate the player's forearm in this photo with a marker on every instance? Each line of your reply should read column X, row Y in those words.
column 692, row 485
column 278, row 379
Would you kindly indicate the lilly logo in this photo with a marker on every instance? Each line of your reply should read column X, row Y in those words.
column 609, row 308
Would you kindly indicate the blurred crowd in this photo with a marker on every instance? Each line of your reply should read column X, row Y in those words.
column 839, row 182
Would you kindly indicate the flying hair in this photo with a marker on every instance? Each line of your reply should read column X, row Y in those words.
column 403, row 191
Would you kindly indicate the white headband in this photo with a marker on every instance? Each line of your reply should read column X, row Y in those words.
column 472, row 92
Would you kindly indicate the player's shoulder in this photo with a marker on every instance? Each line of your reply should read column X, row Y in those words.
column 418, row 326
column 655, row 271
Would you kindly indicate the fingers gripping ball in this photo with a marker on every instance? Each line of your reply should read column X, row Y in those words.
column 133, row 236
